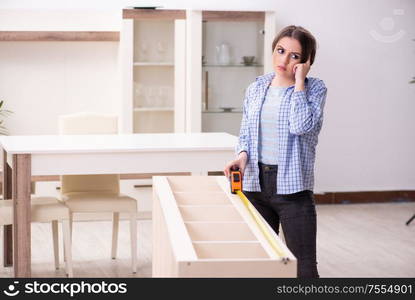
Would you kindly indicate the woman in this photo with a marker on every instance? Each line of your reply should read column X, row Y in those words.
column 282, row 117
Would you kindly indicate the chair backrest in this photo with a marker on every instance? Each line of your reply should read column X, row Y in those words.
column 89, row 123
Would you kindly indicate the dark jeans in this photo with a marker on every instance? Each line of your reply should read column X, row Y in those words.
column 297, row 215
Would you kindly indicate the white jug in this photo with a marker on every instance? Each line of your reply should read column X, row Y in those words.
column 223, row 55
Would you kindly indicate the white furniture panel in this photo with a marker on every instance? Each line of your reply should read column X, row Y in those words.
column 200, row 229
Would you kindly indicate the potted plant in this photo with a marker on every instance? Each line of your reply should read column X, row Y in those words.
column 3, row 114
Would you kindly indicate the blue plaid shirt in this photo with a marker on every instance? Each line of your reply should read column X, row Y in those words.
column 300, row 121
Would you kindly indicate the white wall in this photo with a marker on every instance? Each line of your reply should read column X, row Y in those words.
column 41, row 80
column 367, row 141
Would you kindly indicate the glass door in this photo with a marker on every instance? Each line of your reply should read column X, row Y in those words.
column 153, row 76
column 232, row 57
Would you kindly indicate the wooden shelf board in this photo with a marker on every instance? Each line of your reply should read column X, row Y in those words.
column 232, row 66
column 59, row 36
column 211, row 15
column 156, row 14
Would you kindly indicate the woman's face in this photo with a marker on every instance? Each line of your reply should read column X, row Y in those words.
column 287, row 54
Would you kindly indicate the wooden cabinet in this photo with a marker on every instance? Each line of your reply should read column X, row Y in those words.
column 153, row 70
column 200, row 229
column 184, row 71
column 235, row 49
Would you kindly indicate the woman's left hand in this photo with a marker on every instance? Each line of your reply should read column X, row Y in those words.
column 301, row 71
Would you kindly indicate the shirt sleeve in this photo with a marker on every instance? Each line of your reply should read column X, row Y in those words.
column 306, row 108
column 243, row 140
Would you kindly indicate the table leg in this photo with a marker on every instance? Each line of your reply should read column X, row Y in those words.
column 21, row 223
column 7, row 229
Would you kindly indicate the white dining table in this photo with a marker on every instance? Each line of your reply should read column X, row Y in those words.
column 26, row 156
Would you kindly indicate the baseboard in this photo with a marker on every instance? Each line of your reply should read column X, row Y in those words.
column 364, row 197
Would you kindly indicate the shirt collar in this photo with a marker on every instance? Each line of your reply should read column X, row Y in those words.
column 267, row 79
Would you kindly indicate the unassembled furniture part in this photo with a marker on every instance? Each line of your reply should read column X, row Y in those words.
column 201, row 230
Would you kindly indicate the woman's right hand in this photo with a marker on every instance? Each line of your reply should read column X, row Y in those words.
column 239, row 163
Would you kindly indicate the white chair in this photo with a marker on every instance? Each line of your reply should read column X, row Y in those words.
column 97, row 193
column 46, row 209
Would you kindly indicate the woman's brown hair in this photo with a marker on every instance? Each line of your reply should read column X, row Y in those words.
column 303, row 36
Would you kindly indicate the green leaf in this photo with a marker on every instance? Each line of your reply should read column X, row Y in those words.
column 3, row 113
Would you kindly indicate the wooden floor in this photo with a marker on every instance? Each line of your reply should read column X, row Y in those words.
column 366, row 240
column 353, row 240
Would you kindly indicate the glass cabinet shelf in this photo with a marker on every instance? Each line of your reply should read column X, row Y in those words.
column 153, row 64
column 147, row 109
column 221, row 111
column 235, row 65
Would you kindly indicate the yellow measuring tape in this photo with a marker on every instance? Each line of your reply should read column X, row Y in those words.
column 262, row 226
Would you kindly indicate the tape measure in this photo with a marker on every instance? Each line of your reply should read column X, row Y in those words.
column 236, row 181
column 236, row 188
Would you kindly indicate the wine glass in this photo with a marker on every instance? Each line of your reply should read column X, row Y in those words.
column 161, row 50
column 140, row 98
column 143, row 51
column 163, row 94
column 152, row 96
